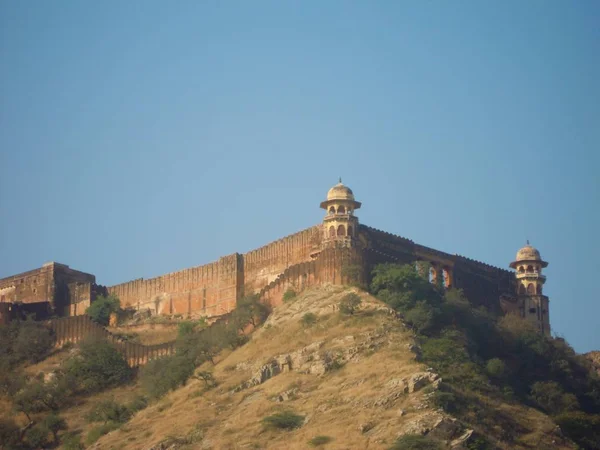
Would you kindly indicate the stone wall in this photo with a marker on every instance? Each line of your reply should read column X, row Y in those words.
column 265, row 264
column 76, row 329
column 211, row 289
column 46, row 287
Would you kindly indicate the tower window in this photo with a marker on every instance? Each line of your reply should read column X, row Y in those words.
column 532, row 311
column 530, row 288
column 332, row 210
column 529, row 269
column 539, row 288
column 341, row 231
column 522, row 290
column 349, row 230
column 341, row 210
column 521, row 269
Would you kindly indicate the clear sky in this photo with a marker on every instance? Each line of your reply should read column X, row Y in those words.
column 142, row 137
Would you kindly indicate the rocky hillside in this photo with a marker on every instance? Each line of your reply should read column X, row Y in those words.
column 348, row 382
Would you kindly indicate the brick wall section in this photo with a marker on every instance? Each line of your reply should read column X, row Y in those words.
column 214, row 288
column 75, row 329
column 48, row 284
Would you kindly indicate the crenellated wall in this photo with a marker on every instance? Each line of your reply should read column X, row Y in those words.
column 75, row 329
column 211, row 289
column 299, row 260
column 265, row 264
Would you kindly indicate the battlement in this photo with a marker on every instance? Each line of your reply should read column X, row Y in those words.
column 314, row 255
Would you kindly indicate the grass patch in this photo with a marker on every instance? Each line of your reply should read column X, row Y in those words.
column 286, row 420
column 317, row 441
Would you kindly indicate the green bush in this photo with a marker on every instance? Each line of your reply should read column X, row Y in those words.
column 162, row 375
column 317, row 441
column 55, row 423
column 98, row 365
column 422, row 317
column 550, row 396
column 495, row 368
column 289, row 295
column 72, row 441
column 583, row 428
column 185, row 327
column 101, row 308
column 37, row 436
column 350, row 303
column 308, row 319
column 98, row 431
column 416, row 442
column 108, row 411
column 286, row 420
column 138, row 403
column 38, row 396
column 10, row 434
column 445, row 400
column 24, row 340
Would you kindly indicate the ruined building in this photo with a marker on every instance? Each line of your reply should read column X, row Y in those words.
column 334, row 251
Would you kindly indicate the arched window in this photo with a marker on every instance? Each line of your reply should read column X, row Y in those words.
column 530, row 288
column 350, row 230
column 529, row 269
column 539, row 288
column 331, row 231
column 341, row 231
column 332, row 210
column 521, row 269
column 521, row 289
column 341, row 210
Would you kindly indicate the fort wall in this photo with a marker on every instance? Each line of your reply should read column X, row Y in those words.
column 265, row 264
column 76, row 329
column 211, row 289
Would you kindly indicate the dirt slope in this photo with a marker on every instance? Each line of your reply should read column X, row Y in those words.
column 354, row 379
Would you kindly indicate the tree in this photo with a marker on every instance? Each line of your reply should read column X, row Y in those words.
column 98, row 366
column 55, row 423
column 350, row 303
column 37, row 436
column 33, row 341
column 101, row 308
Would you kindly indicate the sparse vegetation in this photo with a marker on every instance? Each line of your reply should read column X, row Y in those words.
column 286, row 420
column 308, row 319
column 289, row 295
column 98, row 431
column 416, row 442
column 478, row 353
column 101, row 309
column 318, row 441
column 350, row 303
column 23, row 341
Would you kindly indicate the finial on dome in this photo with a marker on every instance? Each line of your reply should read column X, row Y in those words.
column 527, row 241
column 340, row 179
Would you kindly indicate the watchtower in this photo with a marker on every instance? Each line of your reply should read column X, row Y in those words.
column 340, row 225
column 530, row 281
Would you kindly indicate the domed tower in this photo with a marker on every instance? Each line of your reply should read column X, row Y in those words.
column 340, row 225
column 530, row 282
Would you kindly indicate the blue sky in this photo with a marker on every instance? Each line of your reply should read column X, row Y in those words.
column 142, row 137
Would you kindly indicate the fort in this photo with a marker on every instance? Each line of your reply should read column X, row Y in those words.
column 339, row 250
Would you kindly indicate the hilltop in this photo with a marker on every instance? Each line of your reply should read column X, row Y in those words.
column 354, row 379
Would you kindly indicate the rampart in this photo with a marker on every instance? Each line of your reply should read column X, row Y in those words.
column 75, row 329
column 54, row 287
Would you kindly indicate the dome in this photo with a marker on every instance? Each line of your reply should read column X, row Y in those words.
column 340, row 192
column 526, row 254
